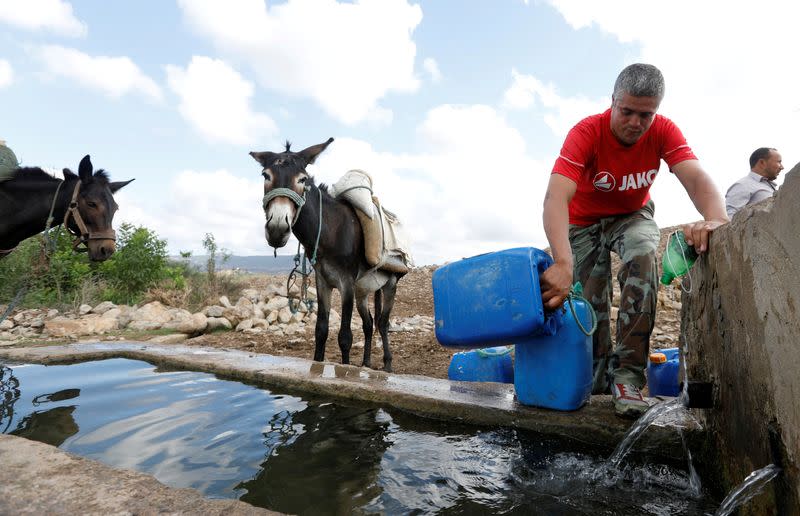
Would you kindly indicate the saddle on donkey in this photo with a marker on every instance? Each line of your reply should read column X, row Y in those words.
column 385, row 244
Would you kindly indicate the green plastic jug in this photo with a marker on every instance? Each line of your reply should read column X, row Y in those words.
column 678, row 258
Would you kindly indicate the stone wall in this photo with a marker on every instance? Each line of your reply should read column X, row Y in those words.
column 742, row 325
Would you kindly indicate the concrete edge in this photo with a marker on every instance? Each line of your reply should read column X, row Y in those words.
column 483, row 404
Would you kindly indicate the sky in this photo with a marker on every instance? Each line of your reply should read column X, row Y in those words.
column 457, row 109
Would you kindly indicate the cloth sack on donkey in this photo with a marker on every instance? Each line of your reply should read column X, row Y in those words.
column 8, row 162
column 385, row 243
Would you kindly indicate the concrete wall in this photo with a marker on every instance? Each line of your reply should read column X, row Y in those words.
column 742, row 325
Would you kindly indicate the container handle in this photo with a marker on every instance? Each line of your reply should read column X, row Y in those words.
column 487, row 352
column 575, row 293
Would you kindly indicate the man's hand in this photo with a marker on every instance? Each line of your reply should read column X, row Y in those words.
column 555, row 283
column 697, row 233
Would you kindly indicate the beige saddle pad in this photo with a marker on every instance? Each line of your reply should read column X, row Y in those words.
column 385, row 244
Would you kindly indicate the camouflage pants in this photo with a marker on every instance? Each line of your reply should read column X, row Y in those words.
column 634, row 238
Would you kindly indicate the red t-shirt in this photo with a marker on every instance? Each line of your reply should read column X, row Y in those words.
column 612, row 178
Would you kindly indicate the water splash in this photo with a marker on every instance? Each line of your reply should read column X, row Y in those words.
column 751, row 486
column 653, row 414
column 694, row 478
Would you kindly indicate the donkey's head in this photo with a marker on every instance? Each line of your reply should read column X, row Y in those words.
column 285, row 184
column 91, row 210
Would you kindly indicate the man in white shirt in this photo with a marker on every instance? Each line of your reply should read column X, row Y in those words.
column 759, row 184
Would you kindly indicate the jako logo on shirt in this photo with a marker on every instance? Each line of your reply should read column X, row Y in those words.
column 604, row 181
column 638, row 180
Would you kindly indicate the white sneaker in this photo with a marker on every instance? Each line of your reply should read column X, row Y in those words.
column 628, row 400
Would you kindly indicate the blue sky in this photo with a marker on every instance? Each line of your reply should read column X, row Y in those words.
column 457, row 109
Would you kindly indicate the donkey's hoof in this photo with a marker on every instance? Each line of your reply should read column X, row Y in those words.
column 387, row 368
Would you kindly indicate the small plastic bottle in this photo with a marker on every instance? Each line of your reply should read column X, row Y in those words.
column 678, row 258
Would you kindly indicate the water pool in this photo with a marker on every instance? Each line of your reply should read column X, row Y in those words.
column 303, row 455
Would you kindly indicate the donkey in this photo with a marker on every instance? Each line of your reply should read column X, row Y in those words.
column 329, row 230
column 83, row 203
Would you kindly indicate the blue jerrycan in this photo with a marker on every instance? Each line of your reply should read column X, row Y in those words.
column 482, row 365
column 491, row 299
column 662, row 372
column 555, row 371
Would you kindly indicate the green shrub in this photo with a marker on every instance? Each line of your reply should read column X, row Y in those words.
column 140, row 262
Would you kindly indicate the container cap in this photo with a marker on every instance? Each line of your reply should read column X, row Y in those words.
column 658, row 358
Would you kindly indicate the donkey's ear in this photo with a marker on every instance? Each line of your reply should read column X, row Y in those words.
column 265, row 158
column 310, row 154
column 85, row 170
column 68, row 174
column 116, row 185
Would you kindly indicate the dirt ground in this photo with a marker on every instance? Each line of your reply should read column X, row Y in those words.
column 415, row 352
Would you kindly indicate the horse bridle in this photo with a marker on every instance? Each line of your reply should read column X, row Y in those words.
column 83, row 236
column 298, row 200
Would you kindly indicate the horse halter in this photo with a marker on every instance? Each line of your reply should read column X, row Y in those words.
column 84, row 235
column 291, row 194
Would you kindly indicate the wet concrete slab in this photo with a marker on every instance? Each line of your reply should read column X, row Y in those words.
column 480, row 403
column 37, row 478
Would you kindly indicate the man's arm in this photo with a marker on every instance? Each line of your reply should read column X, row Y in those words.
column 736, row 198
column 556, row 281
column 706, row 199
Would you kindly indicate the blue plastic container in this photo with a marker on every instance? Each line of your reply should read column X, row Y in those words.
column 555, row 371
column 491, row 299
column 662, row 378
column 482, row 365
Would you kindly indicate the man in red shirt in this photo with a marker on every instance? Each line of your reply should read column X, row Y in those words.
column 598, row 201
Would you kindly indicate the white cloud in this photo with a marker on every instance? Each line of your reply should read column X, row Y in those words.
column 215, row 99
column 51, row 15
column 344, row 56
column 432, row 68
column 559, row 113
column 473, row 189
column 113, row 76
column 731, row 84
column 202, row 202
column 6, row 73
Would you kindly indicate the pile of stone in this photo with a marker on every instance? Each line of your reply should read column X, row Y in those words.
column 271, row 310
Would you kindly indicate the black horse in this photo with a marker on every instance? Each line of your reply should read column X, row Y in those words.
column 83, row 203
column 292, row 204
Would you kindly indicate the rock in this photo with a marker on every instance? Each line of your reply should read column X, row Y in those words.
column 254, row 331
column 151, row 316
column 246, row 303
column 173, row 338
column 274, row 290
column 237, row 314
column 224, row 301
column 185, row 322
column 260, row 323
column 215, row 323
column 103, row 307
column 52, row 313
column 84, row 309
column 272, row 316
column 37, row 323
column 214, row 311
column 251, row 294
column 276, row 303
column 7, row 324
column 87, row 325
column 244, row 325
column 291, row 329
column 284, row 315
column 298, row 317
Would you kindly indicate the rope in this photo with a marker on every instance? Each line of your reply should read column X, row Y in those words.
column 488, row 352
column 299, row 200
column 301, row 259
column 575, row 293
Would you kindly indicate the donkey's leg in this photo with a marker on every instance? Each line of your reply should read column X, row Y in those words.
column 345, row 333
column 362, row 304
column 387, row 293
column 323, row 313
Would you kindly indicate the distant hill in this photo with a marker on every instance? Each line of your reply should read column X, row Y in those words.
column 254, row 264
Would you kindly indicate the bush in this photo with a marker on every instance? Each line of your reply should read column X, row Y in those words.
column 139, row 263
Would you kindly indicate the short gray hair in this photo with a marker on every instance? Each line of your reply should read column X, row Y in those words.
column 640, row 80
